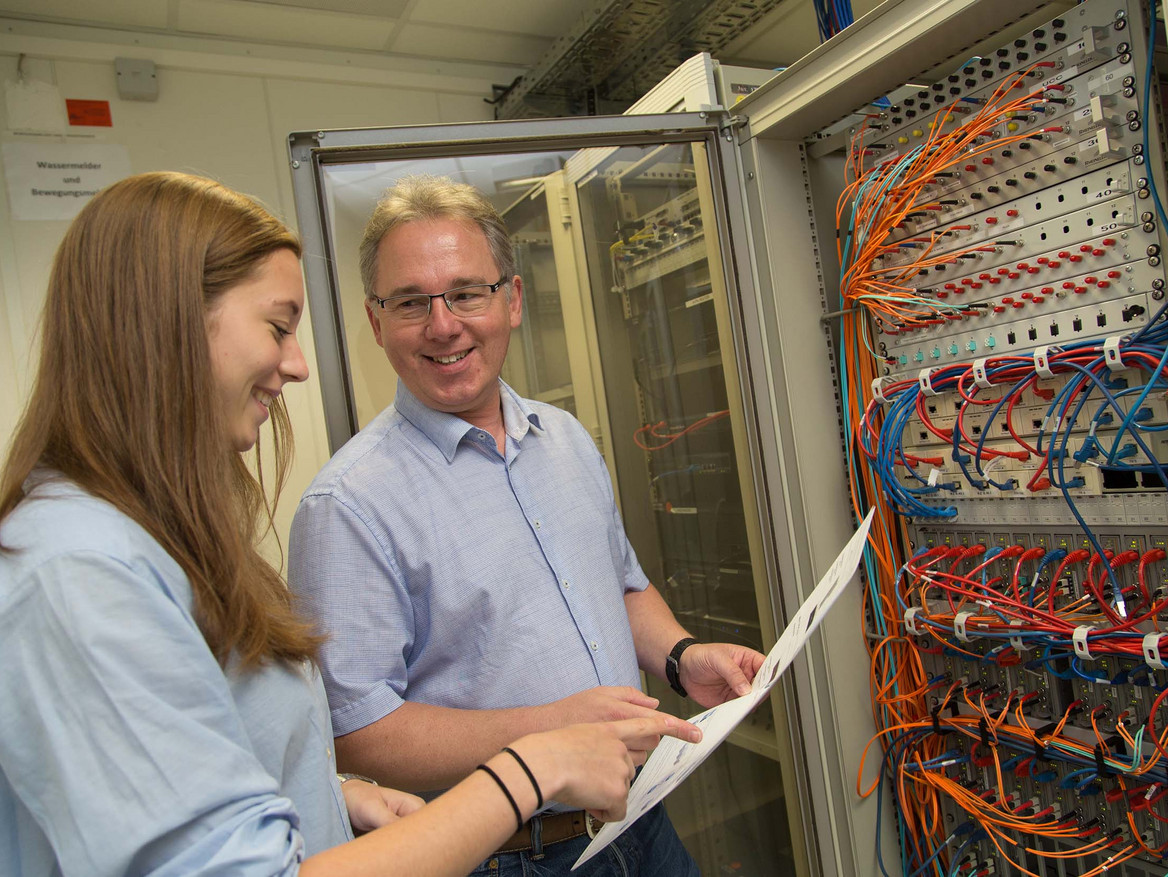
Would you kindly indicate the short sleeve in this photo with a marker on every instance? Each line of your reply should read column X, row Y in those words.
column 344, row 576
column 119, row 734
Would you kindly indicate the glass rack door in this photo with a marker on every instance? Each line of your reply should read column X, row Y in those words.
column 677, row 443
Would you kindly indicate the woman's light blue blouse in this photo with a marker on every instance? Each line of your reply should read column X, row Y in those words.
column 124, row 747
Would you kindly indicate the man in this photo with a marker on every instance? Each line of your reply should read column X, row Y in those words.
column 464, row 550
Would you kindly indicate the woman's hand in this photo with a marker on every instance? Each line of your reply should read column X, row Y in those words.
column 373, row 806
column 591, row 766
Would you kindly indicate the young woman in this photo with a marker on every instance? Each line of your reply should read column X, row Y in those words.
column 161, row 713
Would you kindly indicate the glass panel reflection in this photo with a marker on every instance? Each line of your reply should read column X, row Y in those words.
column 537, row 365
column 537, row 361
column 676, row 420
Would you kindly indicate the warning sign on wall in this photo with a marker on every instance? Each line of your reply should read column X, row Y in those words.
column 92, row 113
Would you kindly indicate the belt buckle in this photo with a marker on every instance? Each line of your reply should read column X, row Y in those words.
column 592, row 824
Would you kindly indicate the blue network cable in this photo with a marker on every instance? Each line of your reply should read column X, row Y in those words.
column 1149, row 67
column 832, row 16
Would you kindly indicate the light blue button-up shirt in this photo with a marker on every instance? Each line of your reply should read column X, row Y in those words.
column 448, row 574
column 124, row 747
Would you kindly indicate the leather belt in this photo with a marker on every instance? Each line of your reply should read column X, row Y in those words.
column 554, row 828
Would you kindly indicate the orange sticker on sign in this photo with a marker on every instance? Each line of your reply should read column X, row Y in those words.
column 93, row 113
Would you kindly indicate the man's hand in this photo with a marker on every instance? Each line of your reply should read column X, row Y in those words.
column 713, row 673
column 373, row 806
column 605, row 703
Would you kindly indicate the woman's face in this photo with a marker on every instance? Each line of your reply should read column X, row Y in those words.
column 251, row 331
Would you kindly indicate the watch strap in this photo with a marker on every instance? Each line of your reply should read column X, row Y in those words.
column 673, row 664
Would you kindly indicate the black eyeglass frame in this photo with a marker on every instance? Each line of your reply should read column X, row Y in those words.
column 493, row 287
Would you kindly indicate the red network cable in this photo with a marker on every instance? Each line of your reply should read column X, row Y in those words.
column 657, row 431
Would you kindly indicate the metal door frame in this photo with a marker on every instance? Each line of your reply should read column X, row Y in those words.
column 311, row 152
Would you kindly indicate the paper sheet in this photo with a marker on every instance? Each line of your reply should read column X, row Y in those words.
column 673, row 760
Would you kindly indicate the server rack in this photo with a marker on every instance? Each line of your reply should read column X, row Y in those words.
column 1035, row 238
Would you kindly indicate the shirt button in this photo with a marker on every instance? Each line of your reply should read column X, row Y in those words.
column 595, row 647
column 566, row 585
column 482, row 436
column 535, row 524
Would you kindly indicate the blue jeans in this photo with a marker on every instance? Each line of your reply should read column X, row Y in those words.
column 648, row 848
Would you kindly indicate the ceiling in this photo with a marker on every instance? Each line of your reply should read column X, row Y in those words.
column 499, row 38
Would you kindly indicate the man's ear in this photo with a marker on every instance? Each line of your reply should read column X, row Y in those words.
column 371, row 309
column 515, row 305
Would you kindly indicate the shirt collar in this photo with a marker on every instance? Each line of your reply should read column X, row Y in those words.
column 447, row 431
column 518, row 418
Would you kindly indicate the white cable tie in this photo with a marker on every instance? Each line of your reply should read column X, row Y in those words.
column 910, row 620
column 878, row 389
column 926, row 383
column 1079, row 638
column 934, row 476
column 1111, row 352
column 1016, row 641
column 979, row 374
column 1042, row 361
column 1152, row 651
column 992, row 466
column 959, row 626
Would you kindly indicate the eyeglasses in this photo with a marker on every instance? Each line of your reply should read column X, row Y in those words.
column 462, row 301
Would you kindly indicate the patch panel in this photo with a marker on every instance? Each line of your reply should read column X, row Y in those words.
column 986, row 224
column 1051, row 62
column 1056, row 325
column 647, row 237
column 1000, row 177
column 981, row 327
column 1116, row 219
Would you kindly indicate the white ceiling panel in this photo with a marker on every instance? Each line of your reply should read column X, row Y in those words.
column 546, row 18
column 375, row 8
column 264, row 22
column 465, row 44
column 137, row 13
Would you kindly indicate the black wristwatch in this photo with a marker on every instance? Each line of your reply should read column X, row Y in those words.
column 673, row 665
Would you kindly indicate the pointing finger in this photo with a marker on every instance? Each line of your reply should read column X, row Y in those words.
column 642, row 730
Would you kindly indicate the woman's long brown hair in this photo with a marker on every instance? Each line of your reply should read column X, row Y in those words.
column 123, row 399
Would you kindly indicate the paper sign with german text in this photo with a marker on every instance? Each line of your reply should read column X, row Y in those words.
column 55, row 180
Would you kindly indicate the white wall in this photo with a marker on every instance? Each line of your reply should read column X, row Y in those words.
column 224, row 110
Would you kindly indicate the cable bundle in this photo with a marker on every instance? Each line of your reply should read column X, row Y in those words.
column 974, row 762
column 832, row 16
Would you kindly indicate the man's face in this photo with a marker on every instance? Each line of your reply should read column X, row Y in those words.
column 450, row 363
